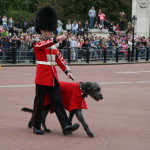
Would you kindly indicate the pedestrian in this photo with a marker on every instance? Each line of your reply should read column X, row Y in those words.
column 92, row 14
column 46, row 79
column 101, row 19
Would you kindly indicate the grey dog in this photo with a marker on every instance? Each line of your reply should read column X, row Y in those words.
column 88, row 88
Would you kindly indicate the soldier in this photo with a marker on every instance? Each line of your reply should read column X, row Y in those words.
column 46, row 79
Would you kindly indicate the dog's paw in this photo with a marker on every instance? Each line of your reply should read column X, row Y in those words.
column 90, row 134
column 47, row 130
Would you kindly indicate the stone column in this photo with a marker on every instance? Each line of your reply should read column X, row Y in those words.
column 141, row 9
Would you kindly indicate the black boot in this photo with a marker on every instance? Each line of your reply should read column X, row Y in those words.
column 70, row 128
column 38, row 131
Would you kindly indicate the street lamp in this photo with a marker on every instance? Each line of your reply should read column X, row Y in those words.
column 133, row 24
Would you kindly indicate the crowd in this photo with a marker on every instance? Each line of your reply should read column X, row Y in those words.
column 78, row 34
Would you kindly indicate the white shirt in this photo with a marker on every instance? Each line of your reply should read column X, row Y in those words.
column 68, row 26
column 74, row 26
column 73, row 43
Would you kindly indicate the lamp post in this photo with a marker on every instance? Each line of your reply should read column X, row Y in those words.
column 133, row 24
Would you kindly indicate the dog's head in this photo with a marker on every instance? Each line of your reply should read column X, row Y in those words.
column 93, row 89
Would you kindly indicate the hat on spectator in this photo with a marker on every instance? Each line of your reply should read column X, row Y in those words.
column 46, row 19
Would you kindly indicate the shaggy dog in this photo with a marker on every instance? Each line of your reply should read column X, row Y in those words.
column 73, row 98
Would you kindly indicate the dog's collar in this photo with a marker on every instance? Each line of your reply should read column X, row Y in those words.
column 82, row 94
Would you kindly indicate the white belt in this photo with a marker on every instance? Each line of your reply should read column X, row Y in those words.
column 46, row 63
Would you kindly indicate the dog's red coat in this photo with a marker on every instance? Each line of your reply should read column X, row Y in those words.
column 71, row 95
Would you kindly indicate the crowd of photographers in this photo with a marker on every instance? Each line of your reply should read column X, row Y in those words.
column 19, row 37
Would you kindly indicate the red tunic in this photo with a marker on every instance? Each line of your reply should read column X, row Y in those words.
column 45, row 51
column 71, row 97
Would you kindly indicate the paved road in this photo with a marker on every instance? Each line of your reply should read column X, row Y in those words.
column 120, row 122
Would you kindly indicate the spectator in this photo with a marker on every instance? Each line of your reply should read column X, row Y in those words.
column 122, row 21
column 97, row 42
column 80, row 28
column 63, row 43
column 1, row 28
column 15, row 44
column 86, row 27
column 74, row 27
column 143, row 46
column 117, row 27
column 78, row 43
column 5, row 43
column 129, row 28
column 111, row 28
column 4, row 32
column 148, row 42
column 96, row 26
column 87, row 39
column 10, row 25
column 93, row 50
column 101, row 18
column 14, row 32
column 1, row 21
column 114, row 27
column 31, row 30
column 81, row 42
column 143, row 41
column 73, row 45
column 17, row 25
column 24, row 26
column 4, row 22
column 31, row 23
column 86, row 43
column 68, row 27
column 59, row 27
column 124, row 49
column 92, row 14
column 106, row 24
column 129, row 43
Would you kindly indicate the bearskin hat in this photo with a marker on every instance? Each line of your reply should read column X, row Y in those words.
column 46, row 19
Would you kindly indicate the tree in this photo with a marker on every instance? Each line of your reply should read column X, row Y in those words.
column 69, row 9
column 78, row 9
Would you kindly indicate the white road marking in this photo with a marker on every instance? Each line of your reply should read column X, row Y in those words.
column 125, row 82
column 16, row 86
column 105, row 83
column 135, row 72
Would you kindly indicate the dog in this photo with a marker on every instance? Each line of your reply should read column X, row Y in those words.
column 78, row 97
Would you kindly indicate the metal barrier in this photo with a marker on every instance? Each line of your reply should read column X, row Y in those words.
column 16, row 56
column 7, row 55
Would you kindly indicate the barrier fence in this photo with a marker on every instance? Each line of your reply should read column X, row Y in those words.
column 116, row 54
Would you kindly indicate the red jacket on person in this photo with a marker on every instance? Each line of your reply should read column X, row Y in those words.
column 47, row 56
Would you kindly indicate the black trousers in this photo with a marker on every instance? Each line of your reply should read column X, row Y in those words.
column 54, row 92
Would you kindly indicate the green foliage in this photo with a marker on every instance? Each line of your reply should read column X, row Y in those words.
column 19, row 15
column 66, row 9
column 78, row 9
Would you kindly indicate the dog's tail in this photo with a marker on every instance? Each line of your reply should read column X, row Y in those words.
column 27, row 110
